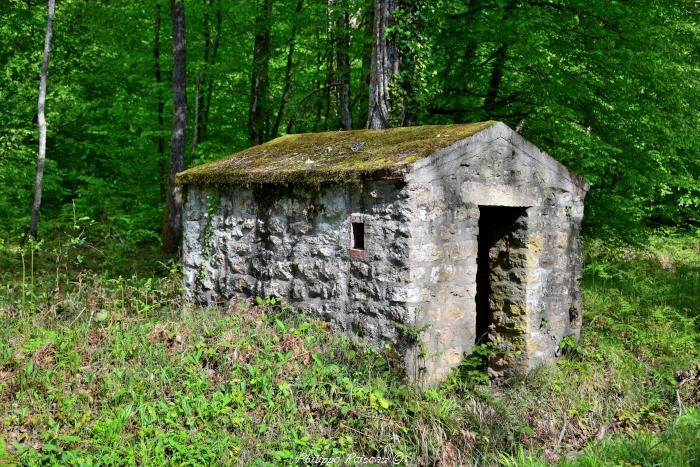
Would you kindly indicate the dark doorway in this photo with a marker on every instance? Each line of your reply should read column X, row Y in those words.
column 496, row 228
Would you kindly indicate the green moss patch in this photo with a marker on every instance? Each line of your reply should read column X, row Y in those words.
column 338, row 156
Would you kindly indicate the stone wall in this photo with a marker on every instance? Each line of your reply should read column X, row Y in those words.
column 503, row 235
column 537, row 298
column 419, row 266
column 443, row 250
column 292, row 242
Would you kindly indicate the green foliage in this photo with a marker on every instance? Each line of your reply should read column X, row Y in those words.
column 471, row 372
column 604, row 87
column 102, row 362
column 607, row 88
column 101, row 368
column 678, row 445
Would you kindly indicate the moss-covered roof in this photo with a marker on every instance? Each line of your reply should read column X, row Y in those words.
column 334, row 156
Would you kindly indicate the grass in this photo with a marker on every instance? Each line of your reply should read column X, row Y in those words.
column 98, row 368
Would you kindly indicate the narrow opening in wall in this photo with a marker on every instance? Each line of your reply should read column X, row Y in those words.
column 496, row 258
column 358, row 235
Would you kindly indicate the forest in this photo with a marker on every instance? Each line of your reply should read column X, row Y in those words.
column 102, row 361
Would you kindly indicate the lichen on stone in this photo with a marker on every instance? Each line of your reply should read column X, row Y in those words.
column 338, row 156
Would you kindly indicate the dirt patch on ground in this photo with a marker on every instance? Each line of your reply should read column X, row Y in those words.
column 45, row 356
column 688, row 387
column 172, row 335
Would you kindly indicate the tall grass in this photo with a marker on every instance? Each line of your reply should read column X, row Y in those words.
column 114, row 368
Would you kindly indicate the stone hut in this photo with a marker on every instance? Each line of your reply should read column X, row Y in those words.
column 432, row 238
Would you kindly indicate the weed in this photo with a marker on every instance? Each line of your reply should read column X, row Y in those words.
column 118, row 369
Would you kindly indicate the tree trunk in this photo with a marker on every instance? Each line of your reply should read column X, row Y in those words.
column 363, row 95
column 385, row 64
column 501, row 56
column 39, row 181
column 207, row 102
column 343, row 63
column 198, row 127
column 329, row 83
column 195, row 127
column 409, row 75
column 496, row 78
column 317, row 84
column 204, row 72
column 160, row 105
column 289, row 67
column 260, row 87
column 410, row 100
column 172, row 226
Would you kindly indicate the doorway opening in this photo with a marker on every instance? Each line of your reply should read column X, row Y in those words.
column 499, row 274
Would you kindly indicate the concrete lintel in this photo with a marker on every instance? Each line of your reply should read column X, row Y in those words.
column 497, row 195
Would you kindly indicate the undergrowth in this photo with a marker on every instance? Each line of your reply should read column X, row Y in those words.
column 103, row 367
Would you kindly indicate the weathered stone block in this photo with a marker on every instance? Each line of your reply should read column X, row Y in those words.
column 454, row 312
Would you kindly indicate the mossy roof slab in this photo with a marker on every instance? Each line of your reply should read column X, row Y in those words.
column 334, row 156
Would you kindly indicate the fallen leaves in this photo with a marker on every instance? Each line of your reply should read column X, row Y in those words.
column 161, row 333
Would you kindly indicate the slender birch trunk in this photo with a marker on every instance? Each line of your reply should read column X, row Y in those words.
column 39, row 181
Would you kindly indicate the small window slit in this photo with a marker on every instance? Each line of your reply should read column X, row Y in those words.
column 358, row 235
